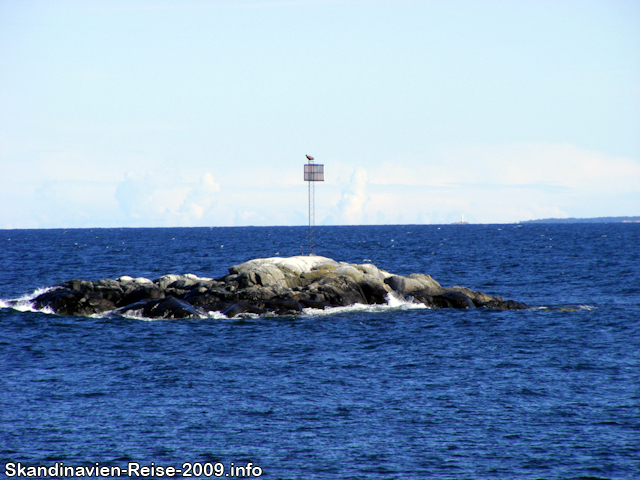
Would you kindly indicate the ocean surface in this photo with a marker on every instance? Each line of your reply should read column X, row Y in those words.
column 363, row 392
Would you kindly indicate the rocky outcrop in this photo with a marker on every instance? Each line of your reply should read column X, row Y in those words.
column 278, row 285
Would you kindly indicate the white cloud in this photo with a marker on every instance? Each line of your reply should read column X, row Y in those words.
column 200, row 200
column 584, row 171
column 354, row 199
column 488, row 184
column 505, row 183
column 562, row 165
column 153, row 199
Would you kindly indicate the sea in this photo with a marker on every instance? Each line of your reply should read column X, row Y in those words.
column 395, row 391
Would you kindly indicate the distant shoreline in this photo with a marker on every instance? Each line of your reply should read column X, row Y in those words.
column 586, row 220
column 210, row 227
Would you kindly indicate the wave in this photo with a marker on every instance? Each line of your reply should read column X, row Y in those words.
column 394, row 303
column 137, row 315
column 565, row 308
column 25, row 303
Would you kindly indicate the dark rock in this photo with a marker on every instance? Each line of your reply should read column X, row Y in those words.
column 170, row 307
column 142, row 292
column 340, row 291
column 456, row 300
column 63, row 301
column 314, row 304
column 206, row 299
column 505, row 305
column 135, row 306
column 79, row 285
column 94, row 303
column 73, row 302
column 374, row 291
column 112, row 293
column 255, row 293
column 283, row 306
column 241, row 307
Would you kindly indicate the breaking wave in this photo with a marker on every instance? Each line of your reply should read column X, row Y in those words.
column 25, row 303
column 394, row 303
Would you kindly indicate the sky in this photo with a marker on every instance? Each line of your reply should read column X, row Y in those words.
column 167, row 113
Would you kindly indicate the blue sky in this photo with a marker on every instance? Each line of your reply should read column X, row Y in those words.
column 199, row 113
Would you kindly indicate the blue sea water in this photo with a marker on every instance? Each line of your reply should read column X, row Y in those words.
column 385, row 392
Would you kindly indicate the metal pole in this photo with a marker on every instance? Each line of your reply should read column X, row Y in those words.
column 310, row 216
column 312, row 247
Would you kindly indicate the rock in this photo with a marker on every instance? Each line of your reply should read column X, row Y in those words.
column 412, row 283
column 375, row 291
column 74, row 302
column 114, row 294
column 341, row 291
column 307, row 278
column 183, row 284
column 94, row 304
column 166, row 280
column 479, row 298
column 241, row 307
column 353, row 273
column 370, row 269
column 279, row 285
column 171, row 307
column 262, row 275
column 255, row 293
column 457, row 300
column 63, row 301
column 142, row 292
column 79, row 285
column 283, row 306
column 314, row 304
column 426, row 280
column 505, row 305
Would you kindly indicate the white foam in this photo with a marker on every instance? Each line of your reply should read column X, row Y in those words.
column 216, row 315
column 585, row 307
column 137, row 315
column 25, row 303
column 393, row 303
column 566, row 308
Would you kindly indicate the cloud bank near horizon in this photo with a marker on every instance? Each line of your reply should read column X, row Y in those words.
column 486, row 184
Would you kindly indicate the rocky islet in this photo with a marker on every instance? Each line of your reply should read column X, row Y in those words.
column 266, row 285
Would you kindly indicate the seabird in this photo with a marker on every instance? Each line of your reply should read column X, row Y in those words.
column 309, row 157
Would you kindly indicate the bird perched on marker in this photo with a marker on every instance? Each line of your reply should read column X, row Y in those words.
column 309, row 157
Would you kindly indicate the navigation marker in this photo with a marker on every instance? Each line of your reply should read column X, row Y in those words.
column 313, row 172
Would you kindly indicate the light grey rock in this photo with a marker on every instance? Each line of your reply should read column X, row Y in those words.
column 166, row 280
column 426, row 280
column 406, row 285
